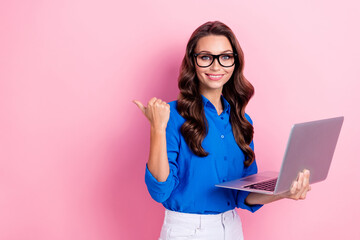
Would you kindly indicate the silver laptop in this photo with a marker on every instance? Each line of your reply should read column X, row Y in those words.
column 311, row 145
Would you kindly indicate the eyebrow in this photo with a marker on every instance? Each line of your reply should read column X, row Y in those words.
column 211, row 52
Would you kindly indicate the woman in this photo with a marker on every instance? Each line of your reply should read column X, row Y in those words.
column 203, row 138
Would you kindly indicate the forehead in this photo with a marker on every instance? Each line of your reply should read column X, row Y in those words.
column 214, row 44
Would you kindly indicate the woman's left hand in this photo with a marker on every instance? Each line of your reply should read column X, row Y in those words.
column 300, row 187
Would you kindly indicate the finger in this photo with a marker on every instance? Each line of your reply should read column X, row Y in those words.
column 164, row 104
column 307, row 174
column 293, row 188
column 305, row 184
column 306, row 178
column 140, row 105
column 159, row 101
column 300, row 181
column 151, row 101
column 298, row 195
column 303, row 194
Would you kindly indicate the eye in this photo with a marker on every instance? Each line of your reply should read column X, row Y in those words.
column 226, row 57
column 205, row 57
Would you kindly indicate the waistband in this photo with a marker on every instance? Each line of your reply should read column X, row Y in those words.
column 172, row 216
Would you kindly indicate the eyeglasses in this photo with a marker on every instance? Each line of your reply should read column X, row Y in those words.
column 206, row 59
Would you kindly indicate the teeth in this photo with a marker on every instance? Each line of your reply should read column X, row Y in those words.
column 215, row 76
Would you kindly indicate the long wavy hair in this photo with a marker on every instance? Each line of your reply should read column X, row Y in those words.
column 237, row 91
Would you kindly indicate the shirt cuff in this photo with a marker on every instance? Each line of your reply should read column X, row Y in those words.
column 241, row 202
column 158, row 190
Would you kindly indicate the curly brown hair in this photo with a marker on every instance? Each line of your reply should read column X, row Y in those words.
column 237, row 91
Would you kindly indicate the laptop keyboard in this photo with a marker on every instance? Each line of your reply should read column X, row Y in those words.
column 267, row 185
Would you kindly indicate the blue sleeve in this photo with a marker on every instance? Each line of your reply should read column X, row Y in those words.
column 252, row 169
column 161, row 191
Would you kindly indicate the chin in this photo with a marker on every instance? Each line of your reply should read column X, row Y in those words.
column 214, row 84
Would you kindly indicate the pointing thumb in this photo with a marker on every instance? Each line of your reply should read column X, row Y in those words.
column 140, row 105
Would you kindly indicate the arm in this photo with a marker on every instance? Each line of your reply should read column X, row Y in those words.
column 158, row 163
column 298, row 190
column 157, row 112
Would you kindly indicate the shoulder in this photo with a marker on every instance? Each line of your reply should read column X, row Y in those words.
column 248, row 118
column 173, row 108
column 175, row 117
column 173, row 104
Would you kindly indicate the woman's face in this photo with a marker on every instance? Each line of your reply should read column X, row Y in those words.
column 214, row 76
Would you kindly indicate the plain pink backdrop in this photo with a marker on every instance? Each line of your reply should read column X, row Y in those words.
column 73, row 146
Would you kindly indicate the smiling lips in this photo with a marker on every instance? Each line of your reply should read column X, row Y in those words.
column 214, row 77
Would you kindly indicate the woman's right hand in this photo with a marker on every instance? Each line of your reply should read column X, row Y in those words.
column 157, row 112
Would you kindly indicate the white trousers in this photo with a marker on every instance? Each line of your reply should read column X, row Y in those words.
column 223, row 226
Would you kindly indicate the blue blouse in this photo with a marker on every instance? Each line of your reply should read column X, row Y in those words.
column 190, row 186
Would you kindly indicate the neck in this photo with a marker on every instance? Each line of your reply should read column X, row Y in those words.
column 215, row 98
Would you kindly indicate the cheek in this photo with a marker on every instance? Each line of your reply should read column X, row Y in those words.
column 199, row 72
column 230, row 72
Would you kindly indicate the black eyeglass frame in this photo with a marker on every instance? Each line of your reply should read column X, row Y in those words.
column 214, row 57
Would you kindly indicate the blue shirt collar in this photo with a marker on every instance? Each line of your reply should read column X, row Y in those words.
column 208, row 104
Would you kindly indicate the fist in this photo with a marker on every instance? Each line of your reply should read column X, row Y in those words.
column 156, row 111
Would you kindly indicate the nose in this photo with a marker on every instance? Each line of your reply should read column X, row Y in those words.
column 215, row 66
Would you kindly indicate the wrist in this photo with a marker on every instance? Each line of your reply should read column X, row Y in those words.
column 157, row 129
column 283, row 195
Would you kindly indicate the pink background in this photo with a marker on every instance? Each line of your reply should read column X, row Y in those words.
column 73, row 146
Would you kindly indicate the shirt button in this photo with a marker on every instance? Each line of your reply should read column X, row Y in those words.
column 222, row 117
column 228, row 203
column 222, row 136
column 225, row 158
